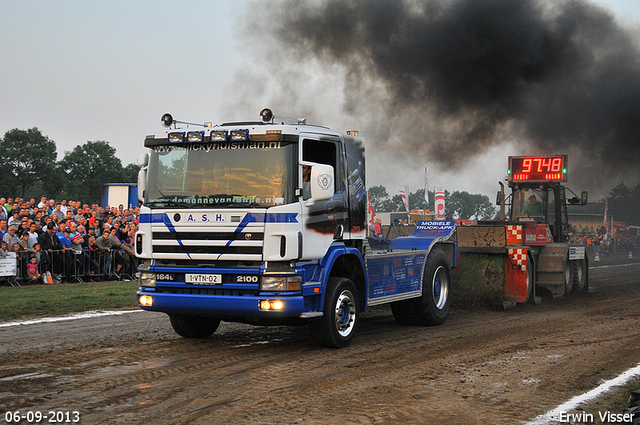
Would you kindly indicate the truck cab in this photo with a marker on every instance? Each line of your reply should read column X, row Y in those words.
column 264, row 222
column 544, row 203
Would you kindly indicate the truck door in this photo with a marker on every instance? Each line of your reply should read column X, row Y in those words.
column 557, row 213
column 321, row 219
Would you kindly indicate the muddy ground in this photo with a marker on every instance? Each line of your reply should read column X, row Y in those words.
column 480, row 367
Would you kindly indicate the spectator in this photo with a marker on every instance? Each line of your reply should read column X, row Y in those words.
column 119, row 250
column 77, row 242
column 14, row 219
column 37, row 252
column 52, row 249
column 43, row 202
column 67, row 218
column 24, row 226
column 33, row 234
column 40, row 219
column 46, row 220
column 67, row 252
column 109, row 222
column 33, row 273
column 378, row 227
column 24, row 243
column 104, row 245
column 51, row 206
column 93, row 220
column 11, row 238
column 63, row 207
column 82, row 222
column 3, row 228
column 86, row 211
column 58, row 212
column 4, row 212
column 79, row 215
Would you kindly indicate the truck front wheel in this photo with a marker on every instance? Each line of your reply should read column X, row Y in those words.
column 194, row 326
column 336, row 327
column 432, row 308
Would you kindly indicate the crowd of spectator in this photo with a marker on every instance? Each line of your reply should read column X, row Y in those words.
column 601, row 242
column 68, row 241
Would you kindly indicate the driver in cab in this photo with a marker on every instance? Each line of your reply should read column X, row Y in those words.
column 533, row 208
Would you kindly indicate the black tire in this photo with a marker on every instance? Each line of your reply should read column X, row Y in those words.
column 579, row 275
column 531, row 279
column 194, row 326
column 568, row 276
column 432, row 308
column 336, row 327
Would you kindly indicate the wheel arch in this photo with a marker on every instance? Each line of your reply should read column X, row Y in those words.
column 450, row 251
column 351, row 266
column 347, row 262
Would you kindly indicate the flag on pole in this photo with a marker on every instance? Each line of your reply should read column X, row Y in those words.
column 404, row 194
column 439, row 203
column 371, row 211
column 426, row 187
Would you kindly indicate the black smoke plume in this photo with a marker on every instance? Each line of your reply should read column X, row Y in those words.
column 461, row 76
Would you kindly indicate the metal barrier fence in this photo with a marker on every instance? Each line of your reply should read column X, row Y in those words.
column 67, row 266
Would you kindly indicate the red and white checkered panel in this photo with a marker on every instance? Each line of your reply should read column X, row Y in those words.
column 518, row 257
column 514, row 235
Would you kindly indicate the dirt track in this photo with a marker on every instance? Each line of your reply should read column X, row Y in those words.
column 480, row 367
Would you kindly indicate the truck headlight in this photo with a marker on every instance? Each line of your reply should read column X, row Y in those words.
column 271, row 305
column 195, row 136
column 148, row 280
column 280, row 284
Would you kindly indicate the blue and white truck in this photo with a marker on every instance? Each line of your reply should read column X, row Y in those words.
column 265, row 223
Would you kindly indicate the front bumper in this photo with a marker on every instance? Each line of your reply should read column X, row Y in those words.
column 222, row 305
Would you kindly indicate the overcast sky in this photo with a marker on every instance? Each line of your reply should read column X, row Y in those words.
column 93, row 70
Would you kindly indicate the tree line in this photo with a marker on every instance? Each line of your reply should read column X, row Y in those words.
column 29, row 168
column 624, row 204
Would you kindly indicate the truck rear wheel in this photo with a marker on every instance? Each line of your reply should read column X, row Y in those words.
column 579, row 275
column 336, row 327
column 432, row 308
column 194, row 326
column 531, row 279
column 568, row 275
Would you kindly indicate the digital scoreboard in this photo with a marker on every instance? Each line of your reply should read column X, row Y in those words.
column 535, row 169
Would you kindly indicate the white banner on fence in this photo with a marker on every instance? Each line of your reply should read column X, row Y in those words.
column 8, row 265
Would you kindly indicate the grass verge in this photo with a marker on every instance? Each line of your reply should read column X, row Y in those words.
column 615, row 401
column 55, row 300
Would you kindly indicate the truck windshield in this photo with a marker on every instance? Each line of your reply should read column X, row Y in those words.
column 247, row 175
column 528, row 205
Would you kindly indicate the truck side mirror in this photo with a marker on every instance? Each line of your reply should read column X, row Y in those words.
column 142, row 182
column 499, row 198
column 584, row 197
column 321, row 183
column 143, row 160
